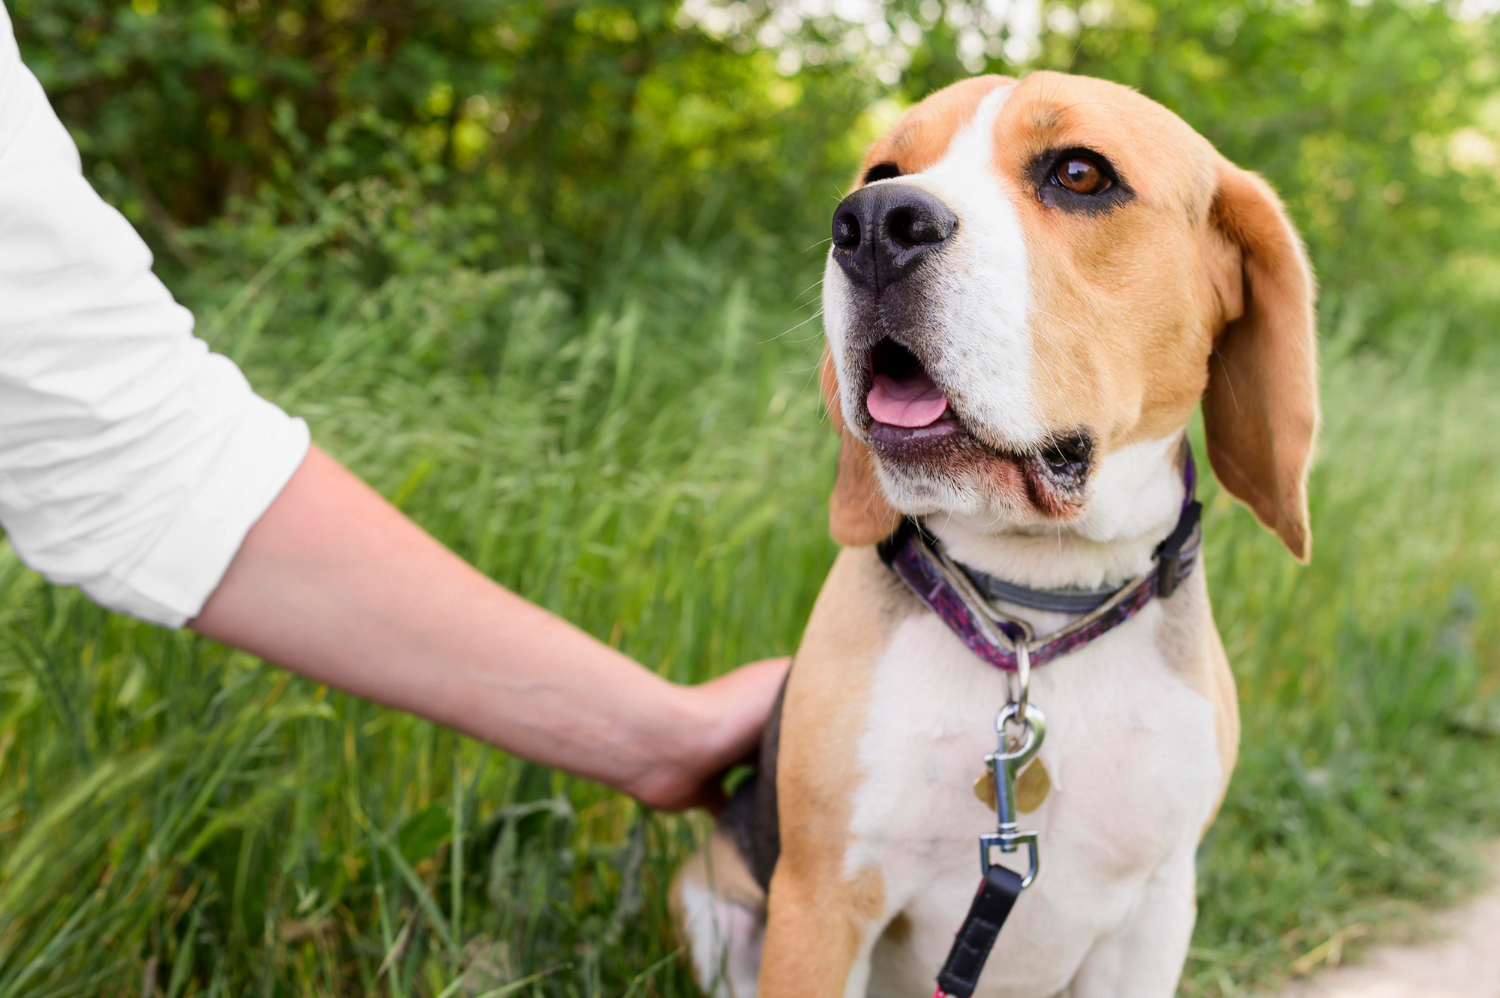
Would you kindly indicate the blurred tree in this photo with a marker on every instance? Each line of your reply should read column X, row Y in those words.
column 562, row 115
column 574, row 125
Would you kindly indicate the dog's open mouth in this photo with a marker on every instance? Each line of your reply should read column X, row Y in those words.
column 914, row 425
column 904, row 403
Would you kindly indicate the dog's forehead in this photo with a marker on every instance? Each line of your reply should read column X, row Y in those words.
column 922, row 135
column 1155, row 149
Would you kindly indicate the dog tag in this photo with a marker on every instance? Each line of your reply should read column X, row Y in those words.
column 984, row 789
column 1033, row 784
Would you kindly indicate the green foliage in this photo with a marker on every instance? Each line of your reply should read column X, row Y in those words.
column 553, row 120
column 560, row 125
column 545, row 274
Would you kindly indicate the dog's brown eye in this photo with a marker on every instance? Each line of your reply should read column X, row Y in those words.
column 882, row 171
column 1082, row 176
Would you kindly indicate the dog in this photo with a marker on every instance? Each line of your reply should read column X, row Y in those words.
column 1031, row 288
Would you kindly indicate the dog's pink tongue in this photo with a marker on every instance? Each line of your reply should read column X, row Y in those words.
column 911, row 402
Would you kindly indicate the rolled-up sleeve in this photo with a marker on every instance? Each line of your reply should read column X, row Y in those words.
column 133, row 461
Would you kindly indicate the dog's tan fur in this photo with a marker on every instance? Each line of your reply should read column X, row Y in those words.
column 816, row 914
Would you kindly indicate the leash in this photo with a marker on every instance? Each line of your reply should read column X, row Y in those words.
column 961, row 598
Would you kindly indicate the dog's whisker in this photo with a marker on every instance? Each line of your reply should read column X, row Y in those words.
column 791, row 329
column 814, row 284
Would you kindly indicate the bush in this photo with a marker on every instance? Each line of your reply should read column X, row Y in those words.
column 561, row 127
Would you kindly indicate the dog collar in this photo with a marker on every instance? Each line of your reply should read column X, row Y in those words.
column 961, row 597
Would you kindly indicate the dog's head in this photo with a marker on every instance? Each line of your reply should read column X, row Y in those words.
column 1036, row 281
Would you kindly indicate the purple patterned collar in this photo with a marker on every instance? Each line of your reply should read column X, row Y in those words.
column 952, row 592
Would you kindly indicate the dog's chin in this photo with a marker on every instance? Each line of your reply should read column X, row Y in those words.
column 946, row 469
column 918, row 494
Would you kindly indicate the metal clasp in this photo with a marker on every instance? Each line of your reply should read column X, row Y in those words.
column 1005, row 764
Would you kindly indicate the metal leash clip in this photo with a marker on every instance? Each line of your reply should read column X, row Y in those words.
column 1005, row 764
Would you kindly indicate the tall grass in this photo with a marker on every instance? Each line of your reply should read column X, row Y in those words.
column 648, row 458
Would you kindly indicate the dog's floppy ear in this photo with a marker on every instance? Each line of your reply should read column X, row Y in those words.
column 858, row 513
column 1261, row 405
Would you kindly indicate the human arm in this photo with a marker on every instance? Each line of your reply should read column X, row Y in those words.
column 336, row 584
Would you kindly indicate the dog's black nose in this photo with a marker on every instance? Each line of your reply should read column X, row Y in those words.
column 882, row 232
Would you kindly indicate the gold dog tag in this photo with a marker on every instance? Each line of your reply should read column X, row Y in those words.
column 984, row 789
column 1033, row 784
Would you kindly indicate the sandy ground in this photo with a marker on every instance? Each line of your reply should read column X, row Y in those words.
column 1462, row 960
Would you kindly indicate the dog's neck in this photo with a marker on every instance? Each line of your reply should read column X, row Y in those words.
column 1136, row 499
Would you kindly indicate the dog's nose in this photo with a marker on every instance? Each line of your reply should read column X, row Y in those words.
column 883, row 232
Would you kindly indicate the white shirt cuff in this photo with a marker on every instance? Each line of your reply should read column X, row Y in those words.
column 182, row 569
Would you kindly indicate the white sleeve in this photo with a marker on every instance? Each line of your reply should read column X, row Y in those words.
column 132, row 460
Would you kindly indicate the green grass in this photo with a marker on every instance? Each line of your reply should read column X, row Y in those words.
column 649, row 459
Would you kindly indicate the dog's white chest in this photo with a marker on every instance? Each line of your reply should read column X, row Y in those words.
column 1131, row 751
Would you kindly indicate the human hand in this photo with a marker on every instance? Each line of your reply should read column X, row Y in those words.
column 723, row 720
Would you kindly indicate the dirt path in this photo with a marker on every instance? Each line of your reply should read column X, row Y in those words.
column 1461, row 961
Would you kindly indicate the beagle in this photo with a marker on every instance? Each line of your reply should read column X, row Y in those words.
column 1031, row 288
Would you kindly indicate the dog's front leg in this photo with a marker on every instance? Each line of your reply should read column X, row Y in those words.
column 819, row 934
column 1144, row 957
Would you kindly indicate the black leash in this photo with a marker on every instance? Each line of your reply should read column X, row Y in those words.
column 976, row 936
